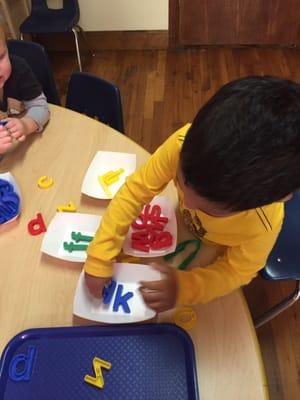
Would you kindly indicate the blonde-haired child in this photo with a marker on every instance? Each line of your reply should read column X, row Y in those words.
column 23, row 105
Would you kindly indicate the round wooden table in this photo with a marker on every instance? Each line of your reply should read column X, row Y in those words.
column 37, row 290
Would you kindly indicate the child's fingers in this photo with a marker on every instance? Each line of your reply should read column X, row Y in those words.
column 5, row 147
column 6, row 139
column 157, row 306
column 10, row 125
column 150, row 297
column 4, row 133
column 22, row 138
column 15, row 130
column 163, row 268
column 152, row 285
column 95, row 285
column 16, row 134
column 9, row 130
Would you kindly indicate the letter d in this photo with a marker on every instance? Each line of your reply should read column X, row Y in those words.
column 20, row 367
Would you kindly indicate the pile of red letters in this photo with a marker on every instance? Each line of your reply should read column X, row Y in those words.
column 149, row 231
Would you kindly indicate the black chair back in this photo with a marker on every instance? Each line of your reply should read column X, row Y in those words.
column 71, row 6
column 97, row 98
column 39, row 6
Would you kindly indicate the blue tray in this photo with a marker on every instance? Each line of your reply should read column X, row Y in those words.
column 149, row 362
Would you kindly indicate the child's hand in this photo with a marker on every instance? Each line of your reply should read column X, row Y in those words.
column 160, row 295
column 16, row 128
column 5, row 140
column 95, row 284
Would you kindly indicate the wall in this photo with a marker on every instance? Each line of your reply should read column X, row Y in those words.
column 121, row 15
column 13, row 13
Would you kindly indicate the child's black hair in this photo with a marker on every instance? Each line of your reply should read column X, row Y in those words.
column 243, row 147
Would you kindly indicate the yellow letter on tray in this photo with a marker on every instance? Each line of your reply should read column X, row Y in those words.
column 97, row 380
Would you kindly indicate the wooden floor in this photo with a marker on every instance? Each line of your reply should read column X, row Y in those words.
column 161, row 91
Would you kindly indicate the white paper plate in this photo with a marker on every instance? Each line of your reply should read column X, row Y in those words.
column 60, row 229
column 129, row 275
column 7, row 176
column 167, row 211
column 103, row 162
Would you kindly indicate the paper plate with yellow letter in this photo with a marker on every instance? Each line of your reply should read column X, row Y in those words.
column 107, row 173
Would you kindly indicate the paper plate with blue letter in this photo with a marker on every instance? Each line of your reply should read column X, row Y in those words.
column 122, row 301
column 10, row 198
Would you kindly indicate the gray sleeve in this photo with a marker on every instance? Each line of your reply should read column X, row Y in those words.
column 38, row 110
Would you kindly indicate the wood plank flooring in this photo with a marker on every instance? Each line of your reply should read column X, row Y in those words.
column 161, row 91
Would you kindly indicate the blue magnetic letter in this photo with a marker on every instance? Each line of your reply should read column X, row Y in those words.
column 122, row 300
column 108, row 292
column 20, row 367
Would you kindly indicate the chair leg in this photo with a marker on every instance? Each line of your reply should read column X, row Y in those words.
column 74, row 30
column 278, row 308
column 85, row 40
column 21, row 36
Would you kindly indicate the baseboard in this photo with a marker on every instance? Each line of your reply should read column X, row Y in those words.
column 110, row 40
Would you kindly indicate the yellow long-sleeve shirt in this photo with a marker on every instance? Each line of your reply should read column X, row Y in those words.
column 247, row 236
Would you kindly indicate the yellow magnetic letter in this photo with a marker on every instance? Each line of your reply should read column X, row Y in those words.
column 45, row 182
column 97, row 380
column 70, row 207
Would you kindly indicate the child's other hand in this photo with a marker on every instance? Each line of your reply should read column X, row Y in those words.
column 95, row 284
column 5, row 140
column 16, row 128
column 160, row 295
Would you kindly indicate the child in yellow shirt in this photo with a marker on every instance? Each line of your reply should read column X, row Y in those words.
column 233, row 168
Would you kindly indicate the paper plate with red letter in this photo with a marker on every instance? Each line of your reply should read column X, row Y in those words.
column 154, row 232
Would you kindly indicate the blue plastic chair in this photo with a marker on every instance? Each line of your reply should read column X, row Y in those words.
column 37, row 58
column 97, row 98
column 284, row 260
column 43, row 19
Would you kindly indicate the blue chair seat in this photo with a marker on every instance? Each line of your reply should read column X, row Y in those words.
column 284, row 260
